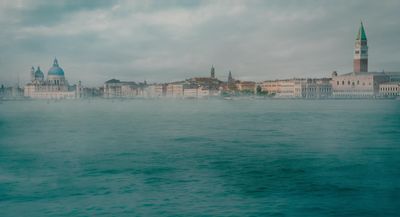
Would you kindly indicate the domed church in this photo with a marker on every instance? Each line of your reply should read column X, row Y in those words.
column 55, row 75
column 54, row 87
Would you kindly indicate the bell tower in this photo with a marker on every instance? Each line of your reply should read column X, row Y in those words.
column 212, row 72
column 360, row 62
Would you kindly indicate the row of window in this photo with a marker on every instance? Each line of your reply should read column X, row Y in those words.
column 391, row 94
column 389, row 89
column 352, row 83
column 314, row 89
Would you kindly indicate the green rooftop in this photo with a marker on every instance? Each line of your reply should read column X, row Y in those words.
column 361, row 33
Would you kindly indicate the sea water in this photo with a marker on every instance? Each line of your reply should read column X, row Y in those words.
column 200, row 158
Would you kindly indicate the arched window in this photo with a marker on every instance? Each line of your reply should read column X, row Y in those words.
column 358, row 82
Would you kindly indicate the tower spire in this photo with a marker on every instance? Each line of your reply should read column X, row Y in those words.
column 212, row 71
column 361, row 33
column 230, row 78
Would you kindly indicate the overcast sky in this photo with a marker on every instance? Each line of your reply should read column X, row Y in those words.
column 96, row 40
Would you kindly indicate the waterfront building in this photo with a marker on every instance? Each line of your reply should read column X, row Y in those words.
column 357, row 85
column 279, row 88
column 249, row 86
column 54, row 87
column 125, row 89
column 203, row 92
column 155, row 91
column 298, row 88
column 271, row 87
column 112, row 88
column 286, row 89
column 174, row 90
column 190, row 92
column 313, row 88
column 390, row 89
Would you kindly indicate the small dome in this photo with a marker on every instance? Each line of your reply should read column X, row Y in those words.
column 56, row 69
column 334, row 74
column 39, row 73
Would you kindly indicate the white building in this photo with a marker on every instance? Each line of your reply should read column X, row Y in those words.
column 54, row 87
column 357, row 85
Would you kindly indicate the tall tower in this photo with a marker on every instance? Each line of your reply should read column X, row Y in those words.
column 212, row 72
column 230, row 78
column 360, row 62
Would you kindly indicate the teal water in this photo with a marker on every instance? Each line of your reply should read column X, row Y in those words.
column 200, row 158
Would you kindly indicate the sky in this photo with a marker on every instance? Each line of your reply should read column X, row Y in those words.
column 169, row 40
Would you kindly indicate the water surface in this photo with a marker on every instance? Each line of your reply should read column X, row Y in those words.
column 200, row 158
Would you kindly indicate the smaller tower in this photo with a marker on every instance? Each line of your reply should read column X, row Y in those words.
column 212, row 71
column 231, row 82
column 78, row 90
column 230, row 78
column 32, row 73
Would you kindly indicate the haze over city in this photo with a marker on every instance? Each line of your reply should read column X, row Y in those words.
column 172, row 40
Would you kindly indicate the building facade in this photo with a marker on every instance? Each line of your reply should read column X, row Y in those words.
column 155, row 91
column 358, row 85
column 280, row 88
column 122, row 89
column 299, row 88
column 313, row 88
column 174, row 90
column 249, row 86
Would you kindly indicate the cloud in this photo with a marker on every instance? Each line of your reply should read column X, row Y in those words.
column 167, row 40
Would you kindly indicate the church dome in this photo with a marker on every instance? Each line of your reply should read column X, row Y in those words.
column 39, row 73
column 56, row 69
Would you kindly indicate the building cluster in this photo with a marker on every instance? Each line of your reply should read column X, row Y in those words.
column 197, row 87
column 360, row 83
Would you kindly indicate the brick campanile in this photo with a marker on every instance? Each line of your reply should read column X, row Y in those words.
column 360, row 62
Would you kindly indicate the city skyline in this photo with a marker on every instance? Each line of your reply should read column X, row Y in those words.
column 174, row 40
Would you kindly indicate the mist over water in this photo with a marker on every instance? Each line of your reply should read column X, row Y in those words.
column 200, row 158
